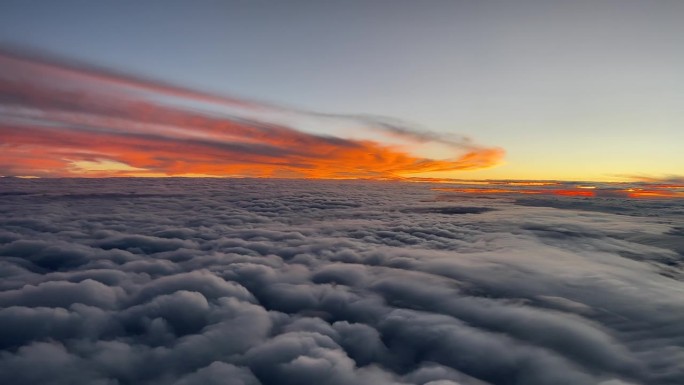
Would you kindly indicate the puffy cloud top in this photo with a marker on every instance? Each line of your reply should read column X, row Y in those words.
column 196, row 281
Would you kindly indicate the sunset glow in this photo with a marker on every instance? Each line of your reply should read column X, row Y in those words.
column 356, row 192
column 616, row 190
column 61, row 120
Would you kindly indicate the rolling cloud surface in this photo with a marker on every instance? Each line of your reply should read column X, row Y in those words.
column 208, row 281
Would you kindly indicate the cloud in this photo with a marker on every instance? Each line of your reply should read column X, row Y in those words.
column 666, row 189
column 65, row 119
column 244, row 281
column 664, row 180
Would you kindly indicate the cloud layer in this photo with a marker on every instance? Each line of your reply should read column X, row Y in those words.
column 62, row 119
column 201, row 281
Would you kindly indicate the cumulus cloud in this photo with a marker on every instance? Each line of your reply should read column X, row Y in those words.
column 202, row 281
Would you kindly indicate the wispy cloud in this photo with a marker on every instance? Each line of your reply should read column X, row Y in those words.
column 64, row 119
column 658, row 180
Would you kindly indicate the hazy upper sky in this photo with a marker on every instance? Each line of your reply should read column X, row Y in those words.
column 569, row 89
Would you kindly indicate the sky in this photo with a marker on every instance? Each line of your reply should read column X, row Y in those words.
column 583, row 90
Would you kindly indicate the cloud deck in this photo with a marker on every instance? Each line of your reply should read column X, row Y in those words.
column 201, row 281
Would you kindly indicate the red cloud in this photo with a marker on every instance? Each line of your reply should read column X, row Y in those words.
column 53, row 116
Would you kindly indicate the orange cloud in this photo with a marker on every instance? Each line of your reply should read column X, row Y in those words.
column 614, row 190
column 59, row 120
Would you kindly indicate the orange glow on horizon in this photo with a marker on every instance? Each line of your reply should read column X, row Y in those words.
column 667, row 192
column 646, row 193
column 563, row 192
column 574, row 193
